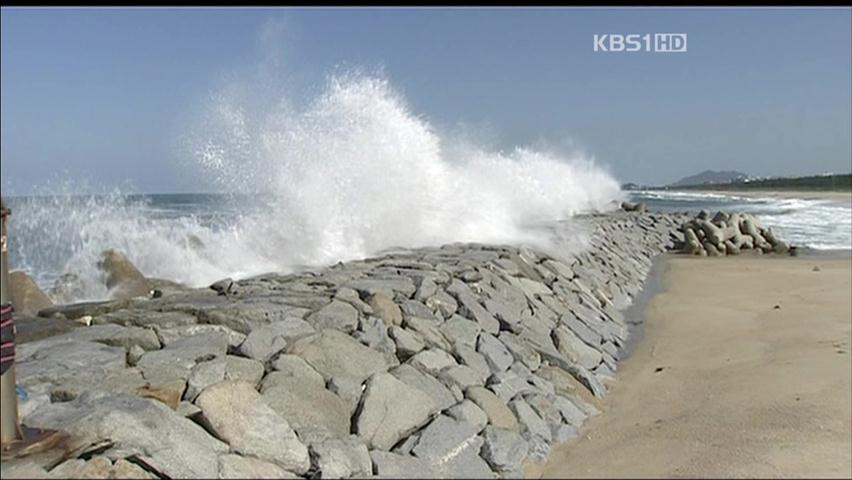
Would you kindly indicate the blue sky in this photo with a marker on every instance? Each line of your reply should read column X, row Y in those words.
column 103, row 94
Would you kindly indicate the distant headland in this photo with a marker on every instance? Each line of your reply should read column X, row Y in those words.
column 738, row 181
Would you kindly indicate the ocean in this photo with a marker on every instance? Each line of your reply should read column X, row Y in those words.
column 200, row 238
column 336, row 177
column 816, row 224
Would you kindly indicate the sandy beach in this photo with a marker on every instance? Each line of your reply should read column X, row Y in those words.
column 744, row 371
column 839, row 196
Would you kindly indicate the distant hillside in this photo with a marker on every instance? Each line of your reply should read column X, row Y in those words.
column 832, row 182
column 710, row 177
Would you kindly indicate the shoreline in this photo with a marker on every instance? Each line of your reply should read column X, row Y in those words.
column 748, row 399
column 634, row 314
column 833, row 195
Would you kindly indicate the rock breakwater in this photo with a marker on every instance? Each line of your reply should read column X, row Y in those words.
column 454, row 361
column 730, row 234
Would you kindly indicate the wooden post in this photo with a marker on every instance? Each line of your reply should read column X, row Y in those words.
column 9, row 428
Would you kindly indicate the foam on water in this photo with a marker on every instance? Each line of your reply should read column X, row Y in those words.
column 814, row 223
column 349, row 174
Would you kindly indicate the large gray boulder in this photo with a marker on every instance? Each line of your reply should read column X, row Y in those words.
column 586, row 334
column 140, row 317
column 470, row 307
column 461, row 330
column 187, row 351
column 334, row 354
column 441, row 395
column 351, row 297
column 25, row 295
column 168, row 442
column 237, row 466
column 429, row 332
column 315, row 412
column 470, row 357
column 588, row 380
column 442, row 304
column 229, row 367
column 293, row 366
column 392, row 465
column 167, row 336
column 570, row 411
column 432, row 361
column 373, row 333
column 462, row 377
column 498, row 413
column 245, row 369
column 496, row 354
column 59, row 361
column 520, row 351
column 122, row 278
column 60, row 369
column 384, row 307
column 390, row 410
column 506, row 310
column 388, row 285
column 336, row 315
column 98, row 466
column 576, row 350
column 533, row 429
column 265, row 341
column 236, row 413
column 467, row 411
column 203, row 375
column 341, row 458
column 117, row 336
column 168, row 369
column 250, row 313
column 443, row 439
column 507, row 385
column 505, row 450
column 408, row 343
column 467, row 463
column 413, row 308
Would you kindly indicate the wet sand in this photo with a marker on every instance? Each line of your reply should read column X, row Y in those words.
column 744, row 371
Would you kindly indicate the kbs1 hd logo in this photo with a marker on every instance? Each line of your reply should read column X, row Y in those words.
column 657, row 42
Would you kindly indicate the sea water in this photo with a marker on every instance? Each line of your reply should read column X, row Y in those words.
column 345, row 175
column 821, row 224
column 199, row 238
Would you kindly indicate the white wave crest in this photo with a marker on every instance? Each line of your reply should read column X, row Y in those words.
column 351, row 173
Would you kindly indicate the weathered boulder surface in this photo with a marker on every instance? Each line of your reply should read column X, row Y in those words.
column 390, row 410
column 25, row 294
column 121, row 276
column 164, row 440
column 341, row 458
column 459, row 361
column 312, row 410
column 237, row 414
column 334, row 354
column 238, row 466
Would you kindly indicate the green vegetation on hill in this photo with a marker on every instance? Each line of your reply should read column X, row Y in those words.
column 815, row 182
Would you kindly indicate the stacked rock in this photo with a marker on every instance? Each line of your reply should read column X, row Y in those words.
column 730, row 234
column 634, row 207
column 455, row 361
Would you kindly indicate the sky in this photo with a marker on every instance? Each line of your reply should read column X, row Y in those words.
column 104, row 95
